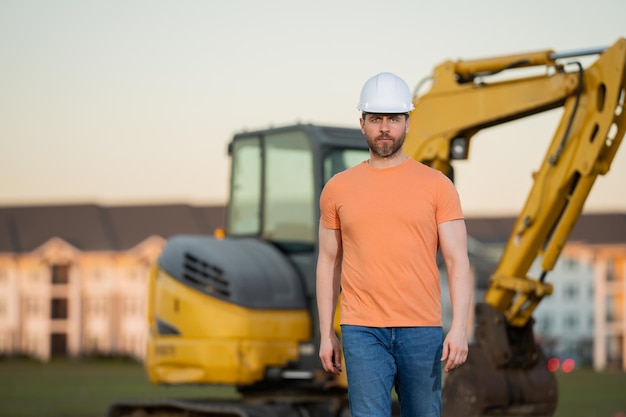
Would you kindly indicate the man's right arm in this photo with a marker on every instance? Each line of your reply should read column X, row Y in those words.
column 327, row 288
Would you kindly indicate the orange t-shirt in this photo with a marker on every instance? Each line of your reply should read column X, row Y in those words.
column 388, row 219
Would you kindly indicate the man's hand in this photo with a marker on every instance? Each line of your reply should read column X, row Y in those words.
column 330, row 354
column 455, row 350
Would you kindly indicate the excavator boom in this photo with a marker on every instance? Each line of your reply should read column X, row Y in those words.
column 506, row 373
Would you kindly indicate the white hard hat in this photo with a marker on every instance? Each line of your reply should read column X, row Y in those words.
column 385, row 93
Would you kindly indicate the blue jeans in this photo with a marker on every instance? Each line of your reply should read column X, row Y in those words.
column 407, row 358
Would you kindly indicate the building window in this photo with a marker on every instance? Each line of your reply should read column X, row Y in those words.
column 571, row 322
column 570, row 264
column 59, row 308
column 60, row 274
column 546, row 324
column 610, row 270
column 610, row 309
column 571, row 292
column 58, row 344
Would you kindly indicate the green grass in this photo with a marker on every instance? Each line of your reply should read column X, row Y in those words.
column 81, row 388
column 86, row 388
column 584, row 393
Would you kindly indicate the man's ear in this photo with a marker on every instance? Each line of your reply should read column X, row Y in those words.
column 408, row 123
column 362, row 123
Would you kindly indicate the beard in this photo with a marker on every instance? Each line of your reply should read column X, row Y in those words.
column 386, row 148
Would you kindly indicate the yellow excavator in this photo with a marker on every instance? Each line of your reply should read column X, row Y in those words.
column 240, row 310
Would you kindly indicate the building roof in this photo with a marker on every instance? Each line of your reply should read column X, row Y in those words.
column 590, row 229
column 600, row 229
column 91, row 227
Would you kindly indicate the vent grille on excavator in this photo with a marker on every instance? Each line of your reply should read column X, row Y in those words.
column 209, row 277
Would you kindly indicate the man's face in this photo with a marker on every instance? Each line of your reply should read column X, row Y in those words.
column 385, row 133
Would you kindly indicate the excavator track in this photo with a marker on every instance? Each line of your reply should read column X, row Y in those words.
column 213, row 408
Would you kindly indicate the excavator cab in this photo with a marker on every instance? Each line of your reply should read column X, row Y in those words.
column 277, row 176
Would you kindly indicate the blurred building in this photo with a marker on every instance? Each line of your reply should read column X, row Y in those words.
column 602, row 245
column 73, row 279
column 585, row 317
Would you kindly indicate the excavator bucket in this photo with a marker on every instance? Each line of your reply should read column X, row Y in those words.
column 506, row 374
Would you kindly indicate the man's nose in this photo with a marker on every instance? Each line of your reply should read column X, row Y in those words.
column 384, row 125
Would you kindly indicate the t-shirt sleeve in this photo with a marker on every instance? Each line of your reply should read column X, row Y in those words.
column 449, row 203
column 329, row 216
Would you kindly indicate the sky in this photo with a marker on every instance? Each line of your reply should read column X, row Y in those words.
column 134, row 102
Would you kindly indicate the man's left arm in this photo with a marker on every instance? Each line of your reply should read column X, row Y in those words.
column 453, row 245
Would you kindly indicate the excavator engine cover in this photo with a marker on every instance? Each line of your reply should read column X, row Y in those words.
column 246, row 272
column 498, row 380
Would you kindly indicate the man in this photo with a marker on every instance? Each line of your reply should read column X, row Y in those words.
column 382, row 223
